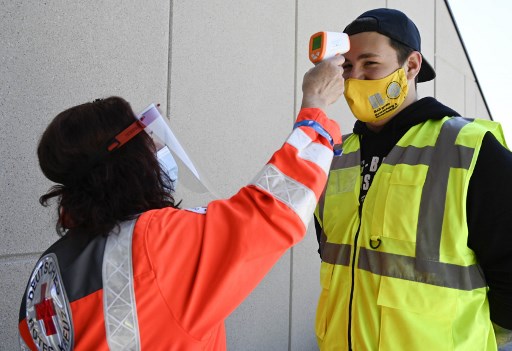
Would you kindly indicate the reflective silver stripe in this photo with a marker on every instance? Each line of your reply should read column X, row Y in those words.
column 311, row 151
column 295, row 195
column 459, row 157
column 433, row 198
column 423, row 271
column 119, row 306
column 347, row 160
column 409, row 155
column 412, row 155
column 336, row 253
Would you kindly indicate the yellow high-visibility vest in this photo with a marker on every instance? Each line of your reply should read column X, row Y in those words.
column 397, row 273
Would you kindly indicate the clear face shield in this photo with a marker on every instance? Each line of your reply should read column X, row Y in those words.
column 173, row 158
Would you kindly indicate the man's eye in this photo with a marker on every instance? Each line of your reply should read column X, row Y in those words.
column 370, row 63
column 346, row 66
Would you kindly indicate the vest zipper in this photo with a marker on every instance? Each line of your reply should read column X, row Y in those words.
column 353, row 281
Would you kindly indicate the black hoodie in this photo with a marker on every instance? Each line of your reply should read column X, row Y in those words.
column 489, row 202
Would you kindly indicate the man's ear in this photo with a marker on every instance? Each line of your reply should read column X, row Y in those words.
column 413, row 65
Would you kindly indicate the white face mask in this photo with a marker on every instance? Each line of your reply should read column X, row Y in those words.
column 168, row 164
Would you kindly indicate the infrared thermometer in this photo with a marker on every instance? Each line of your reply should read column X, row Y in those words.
column 324, row 45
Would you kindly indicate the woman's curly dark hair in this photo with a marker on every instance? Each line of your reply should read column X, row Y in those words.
column 97, row 189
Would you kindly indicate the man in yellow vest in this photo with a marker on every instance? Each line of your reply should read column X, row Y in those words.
column 415, row 223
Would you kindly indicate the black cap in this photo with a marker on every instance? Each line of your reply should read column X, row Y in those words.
column 397, row 26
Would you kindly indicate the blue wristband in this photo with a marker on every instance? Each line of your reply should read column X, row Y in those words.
column 317, row 127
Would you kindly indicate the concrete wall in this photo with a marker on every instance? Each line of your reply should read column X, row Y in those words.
column 229, row 75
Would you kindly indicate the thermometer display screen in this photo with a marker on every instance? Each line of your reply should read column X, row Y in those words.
column 317, row 43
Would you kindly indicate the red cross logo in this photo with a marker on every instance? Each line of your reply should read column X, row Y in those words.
column 45, row 311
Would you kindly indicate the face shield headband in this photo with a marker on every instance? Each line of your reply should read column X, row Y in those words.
column 144, row 119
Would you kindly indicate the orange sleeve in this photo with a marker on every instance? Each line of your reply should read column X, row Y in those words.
column 207, row 264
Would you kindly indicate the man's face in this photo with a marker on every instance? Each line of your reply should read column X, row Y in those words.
column 370, row 57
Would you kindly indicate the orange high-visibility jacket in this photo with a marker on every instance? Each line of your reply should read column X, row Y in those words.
column 169, row 279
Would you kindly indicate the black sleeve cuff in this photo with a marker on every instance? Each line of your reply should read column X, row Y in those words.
column 501, row 310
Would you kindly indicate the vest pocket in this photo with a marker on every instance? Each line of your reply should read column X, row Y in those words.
column 400, row 203
column 326, row 271
column 419, row 315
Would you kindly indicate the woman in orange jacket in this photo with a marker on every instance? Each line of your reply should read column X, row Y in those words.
column 132, row 270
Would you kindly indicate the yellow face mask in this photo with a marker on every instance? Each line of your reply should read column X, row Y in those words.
column 376, row 100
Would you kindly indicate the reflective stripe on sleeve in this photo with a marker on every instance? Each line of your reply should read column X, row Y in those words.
column 311, row 151
column 119, row 306
column 293, row 194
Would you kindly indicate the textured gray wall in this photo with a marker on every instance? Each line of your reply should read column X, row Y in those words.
column 229, row 75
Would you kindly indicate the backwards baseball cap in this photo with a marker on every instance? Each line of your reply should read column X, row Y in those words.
column 397, row 26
